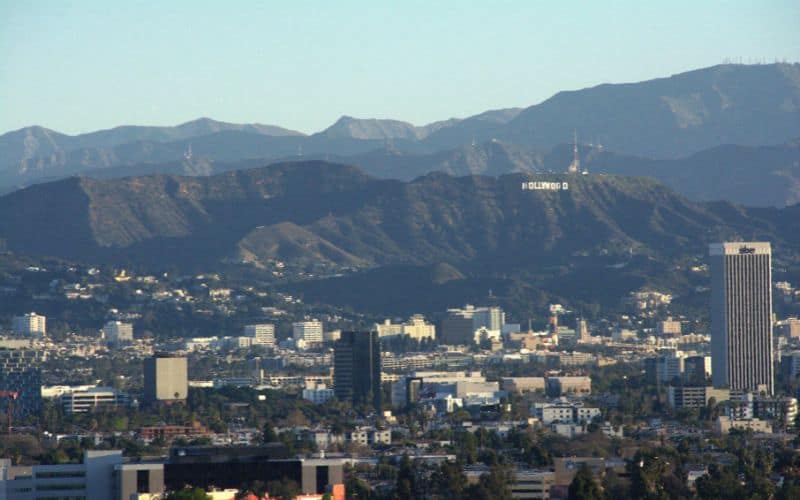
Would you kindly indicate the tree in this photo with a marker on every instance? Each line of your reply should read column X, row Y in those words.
column 188, row 494
column 492, row 486
column 269, row 436
column 285, row 488
column 448, row 482
column 583, row 486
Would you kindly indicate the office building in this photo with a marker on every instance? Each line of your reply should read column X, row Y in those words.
column 19, row 372
column 262, row 334
column 668, row 327
column 694, row 397
column 357, row 368
column 457, row 329
column 741, row 316
column 416, row 327
column 165, row 379
column 696, row 369
column 29, row 324
column 460, row 324
column 106, row 475
column 491, row 318
column 664, row 369
column 89, row 399
column 568, row 386
column 564, row 411
column 309, row 332
column 118, row 333
column 317, row 392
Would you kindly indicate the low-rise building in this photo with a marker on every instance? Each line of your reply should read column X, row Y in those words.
column 568, row 386
column 723, row 425
column 29, row 324
column 317, row 393
column 695, row 397
column 85, row 400
column 564, row 411
column 522, row 384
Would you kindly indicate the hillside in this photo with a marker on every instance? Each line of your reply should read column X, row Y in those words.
column 315, row 210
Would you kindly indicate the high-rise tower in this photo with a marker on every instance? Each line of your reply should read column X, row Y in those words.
column 357, row 368
column 741, row 316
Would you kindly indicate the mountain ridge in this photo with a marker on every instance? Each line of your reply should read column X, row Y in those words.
column 337, row 214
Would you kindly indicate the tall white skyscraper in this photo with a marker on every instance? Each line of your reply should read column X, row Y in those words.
column 741, row 316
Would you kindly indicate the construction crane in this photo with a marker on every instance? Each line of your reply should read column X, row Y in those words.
column 11, row 395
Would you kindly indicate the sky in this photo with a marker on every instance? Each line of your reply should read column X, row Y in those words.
column 78, row 66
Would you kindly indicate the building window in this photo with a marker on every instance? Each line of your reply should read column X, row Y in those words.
column 142, row 481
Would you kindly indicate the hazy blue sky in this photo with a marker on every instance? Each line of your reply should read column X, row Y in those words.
column 83, row 65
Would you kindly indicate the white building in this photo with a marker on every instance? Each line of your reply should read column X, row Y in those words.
column 118, row 333
column 201, row 343
column 317, row 393
column 262, row 334
column 309, row 332
column 82, row 401
column 29, row 324
column 564, row 411
column 415, row 327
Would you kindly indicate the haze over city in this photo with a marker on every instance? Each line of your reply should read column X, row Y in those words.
column 426, row 251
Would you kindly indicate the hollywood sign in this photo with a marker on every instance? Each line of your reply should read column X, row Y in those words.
column 545, row 186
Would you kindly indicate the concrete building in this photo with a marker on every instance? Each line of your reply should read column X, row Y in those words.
column 522, row 384
column 29, row 324
column 262, row 334
column 460, row 324
column 118, row 333
column 416, row 327
column 694, row 397
column 357, row 368
column 568, row 386
column 104, row 475
column 491, row 318
column 741, row 316
column 564, row 411
column 724, row 424
column 668, row 327
column 82, row 401
column 532, row 484
column 309, row 332
column 94, row 479
column 317, row 393
column 165, row 379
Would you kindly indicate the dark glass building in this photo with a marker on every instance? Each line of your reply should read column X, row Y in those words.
column 357, row 368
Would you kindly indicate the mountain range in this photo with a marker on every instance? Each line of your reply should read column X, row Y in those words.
column 317, row 207
column 432, row 238
column 690, row 117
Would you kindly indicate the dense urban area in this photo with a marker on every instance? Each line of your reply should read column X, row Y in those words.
column 145, row 383
column 410, row 250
